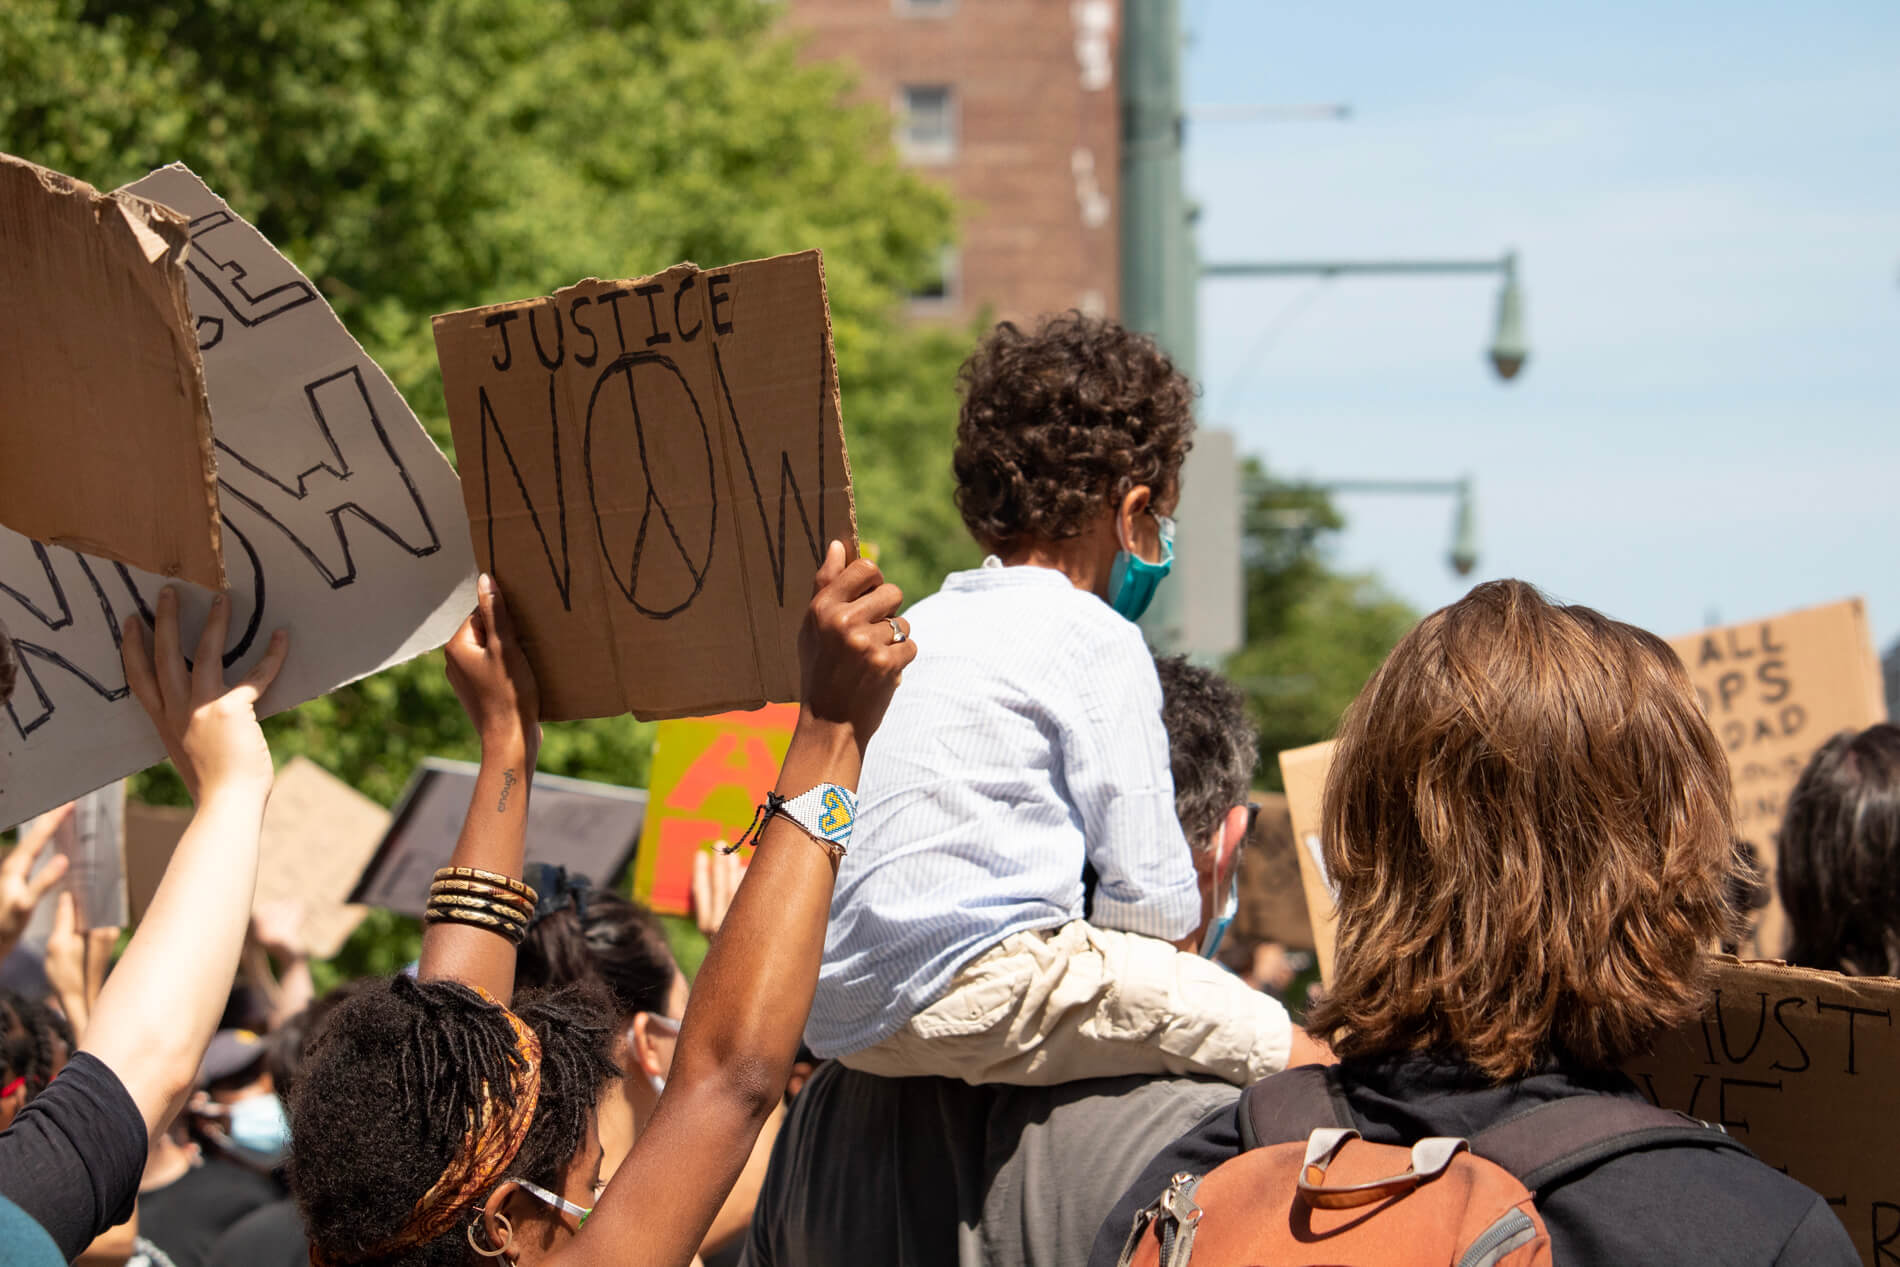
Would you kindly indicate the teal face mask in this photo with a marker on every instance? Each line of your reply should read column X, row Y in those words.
column 1132, row 581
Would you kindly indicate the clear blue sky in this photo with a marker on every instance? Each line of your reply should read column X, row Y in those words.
column 1706, row 204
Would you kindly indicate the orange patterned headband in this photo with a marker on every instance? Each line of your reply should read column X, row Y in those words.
column 490, row 1142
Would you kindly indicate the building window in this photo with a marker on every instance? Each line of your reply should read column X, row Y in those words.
column 923, row 8
column 940, row 292
column 926, row 123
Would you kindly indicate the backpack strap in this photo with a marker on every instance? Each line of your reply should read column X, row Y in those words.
column 1553, row 1141
column 1290, row 1105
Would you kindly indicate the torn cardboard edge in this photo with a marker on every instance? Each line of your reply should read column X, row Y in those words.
column 690, row 312
column 109, row 380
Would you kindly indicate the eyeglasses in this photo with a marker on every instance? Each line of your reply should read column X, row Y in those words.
column 1253, row 816
column 560, row 1203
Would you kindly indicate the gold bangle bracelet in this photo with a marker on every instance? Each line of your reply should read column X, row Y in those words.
column 475, row 919
column 479, row 888
column 492, row 877
column 461, row 902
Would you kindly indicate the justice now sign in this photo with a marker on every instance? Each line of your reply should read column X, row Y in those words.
column 653, row 470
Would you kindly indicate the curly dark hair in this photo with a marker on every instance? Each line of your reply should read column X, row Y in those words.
column 388, row 1078
column 1059, row 424
column 1212, row 746
column 611, row 939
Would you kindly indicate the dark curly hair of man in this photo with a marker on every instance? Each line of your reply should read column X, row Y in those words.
column 1058, row 424
column 387, row 1081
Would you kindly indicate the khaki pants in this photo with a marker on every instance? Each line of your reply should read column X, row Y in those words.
column 1078, row 1001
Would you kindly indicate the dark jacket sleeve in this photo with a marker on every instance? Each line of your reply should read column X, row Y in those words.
column 73, row 1157
column 1819, row 1240
column 1215, row 1139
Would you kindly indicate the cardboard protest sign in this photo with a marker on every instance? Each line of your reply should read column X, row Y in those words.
column 319, row 834
column 653, row 469
column 152, row 832
column 589, row 828
column 710, row 775
column 1800, row 1066
column 1774, row 691
column 342, row 522
column 1272, row 892
column 92, row 840
column 105, row 435
column 1304, row 772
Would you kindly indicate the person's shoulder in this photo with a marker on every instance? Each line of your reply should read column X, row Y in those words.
column 1713, row 1205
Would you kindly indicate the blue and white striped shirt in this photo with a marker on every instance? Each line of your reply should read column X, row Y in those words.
column 1026, row 738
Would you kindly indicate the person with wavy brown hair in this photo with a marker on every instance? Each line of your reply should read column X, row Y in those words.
column 1527, row 821
column 1839, row 865
column 1012, row 909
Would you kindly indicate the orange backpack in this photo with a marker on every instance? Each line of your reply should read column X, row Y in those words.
column 1307, row 1191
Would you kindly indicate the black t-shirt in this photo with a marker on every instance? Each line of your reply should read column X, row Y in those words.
column 186, row 1217
column 1680, row 1207
column 73, row 1156
column 269, row 1236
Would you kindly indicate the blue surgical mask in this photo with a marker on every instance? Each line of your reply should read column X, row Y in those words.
column 257, row 1125
column 1217, row 927
column 1132, row 580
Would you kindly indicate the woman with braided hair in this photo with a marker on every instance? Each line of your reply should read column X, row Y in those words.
column 438, row 1123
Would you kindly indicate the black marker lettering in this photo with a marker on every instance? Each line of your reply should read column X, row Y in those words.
column 1721, row 1100
column 647, row 292
column 686, row 336
column 715, row 296
column 1881, row 1253
column 560, row 338
column 574, row 315
column 1773, row 675
column 499, row 321
column 1792, row 1037
column 1721, row 1026
column 612, row 299
column 1822, row 1005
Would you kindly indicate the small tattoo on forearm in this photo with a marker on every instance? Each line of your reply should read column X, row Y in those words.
column 508, row 782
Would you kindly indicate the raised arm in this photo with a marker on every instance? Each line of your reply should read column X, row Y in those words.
column 750, row 1001
column 159, row 1007
column 497, row 688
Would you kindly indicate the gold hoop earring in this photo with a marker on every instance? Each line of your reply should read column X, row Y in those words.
column 507, row 1234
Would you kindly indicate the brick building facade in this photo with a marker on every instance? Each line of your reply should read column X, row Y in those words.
column 1012, row 104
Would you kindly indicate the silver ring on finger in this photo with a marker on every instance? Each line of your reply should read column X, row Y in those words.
column 897, row 631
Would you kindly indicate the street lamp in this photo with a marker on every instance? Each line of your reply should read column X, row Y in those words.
column 1508, row 350
column 1464, row 517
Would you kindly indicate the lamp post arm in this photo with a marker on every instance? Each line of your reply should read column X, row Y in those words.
column 1505, row 264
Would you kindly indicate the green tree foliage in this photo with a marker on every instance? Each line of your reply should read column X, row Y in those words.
column 416, row 158
column 1313, row 635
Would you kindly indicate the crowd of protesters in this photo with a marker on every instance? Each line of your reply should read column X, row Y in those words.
column 964, row 1008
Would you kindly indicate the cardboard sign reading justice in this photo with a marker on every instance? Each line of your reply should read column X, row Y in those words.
column 653, row 469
